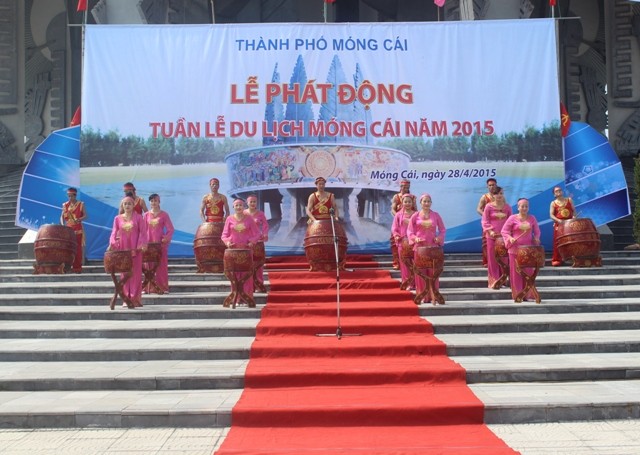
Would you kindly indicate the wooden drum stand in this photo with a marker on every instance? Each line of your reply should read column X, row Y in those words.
column 429, row 258
column 238, row 267
column 150, row 262
column 529, row 257
column 119, row 262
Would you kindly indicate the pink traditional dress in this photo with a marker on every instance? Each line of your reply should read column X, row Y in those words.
column 131, row 235
column 160, row 230
column 515, row 233
column 488, row 198
column 240, row 233
column 72, row 215
column 425, row 230
column 263, row 226
column 399, row 229
column 493, row 220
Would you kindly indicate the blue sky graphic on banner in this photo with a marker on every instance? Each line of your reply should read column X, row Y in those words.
column 266, row 108
column 52, row 169
column 593, row 175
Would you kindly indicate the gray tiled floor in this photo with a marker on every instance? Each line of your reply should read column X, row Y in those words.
column 619, row 437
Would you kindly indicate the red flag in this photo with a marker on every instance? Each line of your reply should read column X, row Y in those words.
column 439, row 3
column 552, row 3
column 329, row 1
column 76, row 118
column 82, row 5
column 565, row 120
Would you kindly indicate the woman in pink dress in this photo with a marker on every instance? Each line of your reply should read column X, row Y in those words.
column 159, row 230
column 263, row 226
column 520, row 229
column 130, row 233
column 426, row 228
column 399, row 234
column 240, row 231
column 495, row 215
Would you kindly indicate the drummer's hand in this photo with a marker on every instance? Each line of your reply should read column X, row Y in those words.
column 536, row 241
column 250, row 244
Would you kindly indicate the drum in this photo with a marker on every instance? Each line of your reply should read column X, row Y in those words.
column 407, row 249
column 54, row 248
column 578, row 239
column 530, row 256
column 238, row 260
column 259, row 255
column 500, row 248
column 153, row 253
column 118, row 261
column 319, row 246
column 208, row 248
column 428, row 257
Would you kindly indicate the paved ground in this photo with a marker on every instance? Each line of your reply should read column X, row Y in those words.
column 619, row 437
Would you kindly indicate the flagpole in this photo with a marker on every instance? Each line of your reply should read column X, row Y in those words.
column 324, row 10
column 213, row 14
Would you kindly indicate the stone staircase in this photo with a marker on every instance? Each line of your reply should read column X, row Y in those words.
column 66, row 360
column 10, row 235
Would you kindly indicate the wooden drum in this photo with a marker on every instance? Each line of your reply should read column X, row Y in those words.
column 319, row 247
column 208, row 248
column 153, row 253
column 428, row 257
column 407, row 249
column 118, row 261
column 530, row 256
column 259, row 255
column 500, row 248
column 54, row 248
column 578, row 239
column 238, row 260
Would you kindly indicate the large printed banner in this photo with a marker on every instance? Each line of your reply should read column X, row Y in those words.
column 266, row 108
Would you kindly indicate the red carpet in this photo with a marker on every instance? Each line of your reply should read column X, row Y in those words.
column 391, row 390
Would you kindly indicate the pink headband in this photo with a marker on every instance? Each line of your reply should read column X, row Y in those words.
column 238, row 200
column 412, row 196
column 214, row 180
column 127, row 198
column 252, row 198
column 424, row 195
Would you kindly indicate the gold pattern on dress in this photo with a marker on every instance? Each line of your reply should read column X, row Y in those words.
column 525, row 226
column 127, row 226
column 239, row 227
column 499, row 214
column 323, row 210
column 426, row 223
column 565, row 213
column 153, row 222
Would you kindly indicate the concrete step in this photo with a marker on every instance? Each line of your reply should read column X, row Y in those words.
column 549, row 343
column 124, row 349
column 159, row 328
column 82, row 299
column 123, row 375
column 544, row 368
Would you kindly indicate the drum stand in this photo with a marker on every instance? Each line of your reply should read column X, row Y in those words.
column 256, row 283
column 150, row 276
column 410, row 282
column 529, row 284
column 237, row 290
column 338, row 333
column 430, row 288
column 503, row 263
column 119, row 284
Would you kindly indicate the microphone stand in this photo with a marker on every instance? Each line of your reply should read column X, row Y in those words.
column 338, row 333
